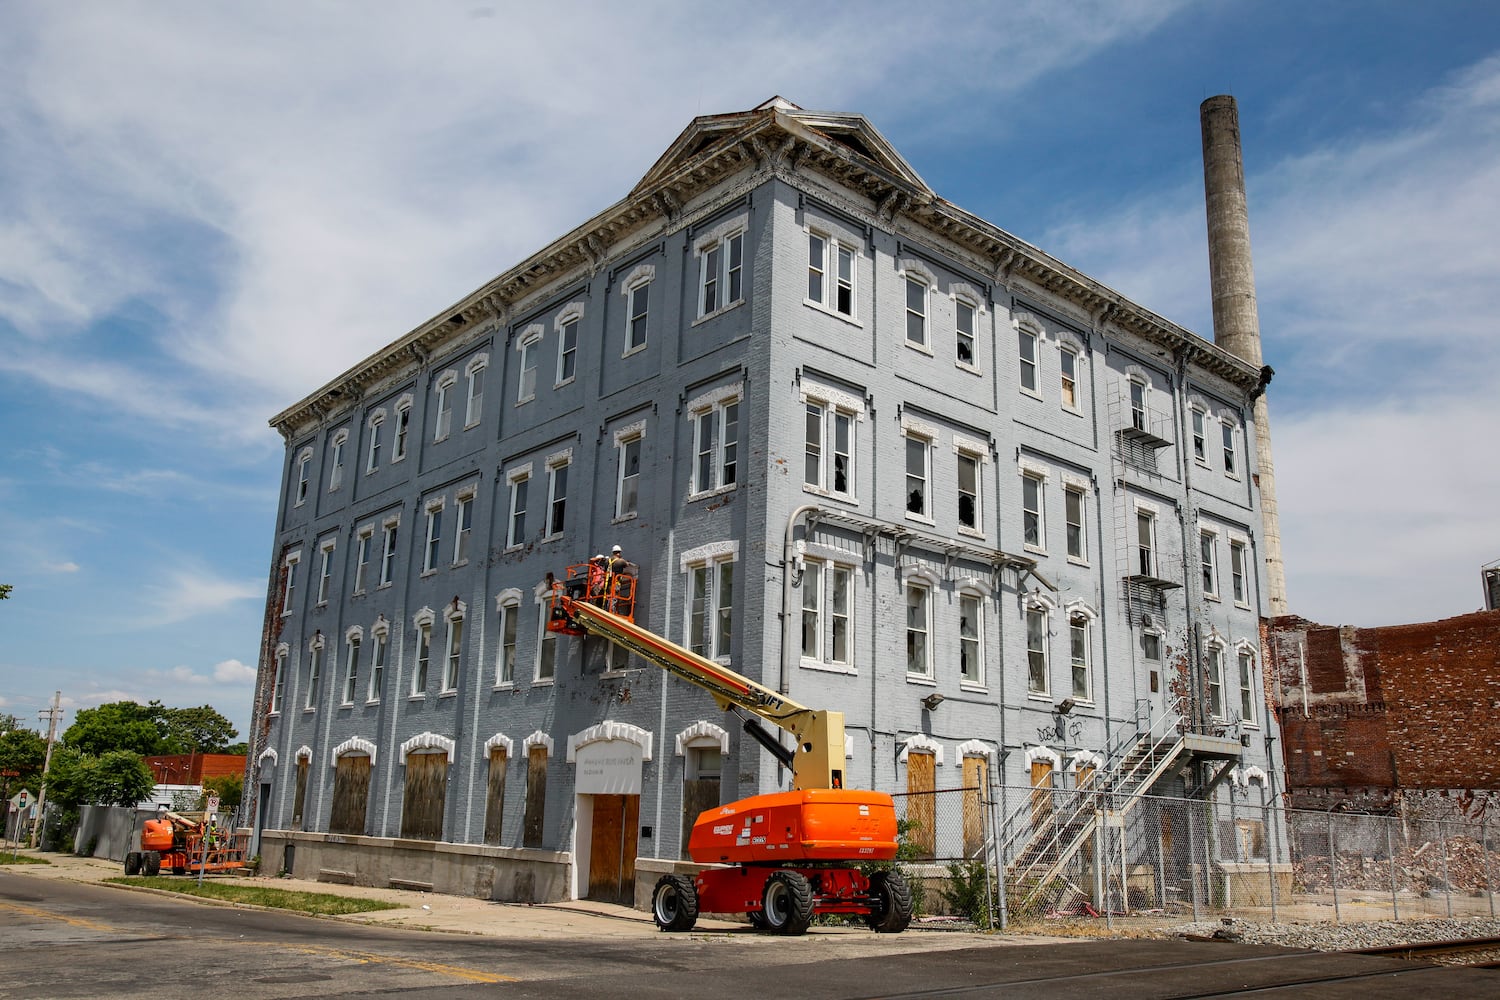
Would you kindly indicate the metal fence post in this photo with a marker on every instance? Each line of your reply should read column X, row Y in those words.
column 1192, row 849
column 1390, row 863
column 1489, row 876
column 1333, row 869
column 1265, row 826
column 1447, row 885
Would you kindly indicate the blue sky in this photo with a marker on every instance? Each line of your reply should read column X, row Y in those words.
column 207, row 211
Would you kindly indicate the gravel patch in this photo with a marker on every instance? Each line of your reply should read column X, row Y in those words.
column 1325, row 936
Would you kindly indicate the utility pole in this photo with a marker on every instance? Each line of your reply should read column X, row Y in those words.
column 51, row 715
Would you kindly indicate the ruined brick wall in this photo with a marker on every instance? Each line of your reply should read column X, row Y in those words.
column 1370, row 711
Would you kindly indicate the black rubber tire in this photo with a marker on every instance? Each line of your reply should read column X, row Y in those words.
column 787, row 904
column 151, row 863
column 674, row 903
column 890, row 902
column 179, row 869
column 758, row 920
column 133, row 863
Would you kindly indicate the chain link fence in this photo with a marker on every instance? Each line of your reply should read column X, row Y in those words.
column 1018, row 855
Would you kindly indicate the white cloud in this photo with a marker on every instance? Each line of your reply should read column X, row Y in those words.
column 233, row 672
column 186, row 594
column 62, row 567
column 1378, row 279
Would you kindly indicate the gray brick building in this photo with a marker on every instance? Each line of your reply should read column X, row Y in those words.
column 863, row 446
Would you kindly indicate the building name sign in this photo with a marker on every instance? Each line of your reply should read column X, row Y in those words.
column 608, row 767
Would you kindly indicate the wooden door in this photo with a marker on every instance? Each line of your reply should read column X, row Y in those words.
column 351, row 793
column 1041, row 792
column 300, row 798
column 976, row 793
column 612, row 848
column 921, row 805
column 494, row 809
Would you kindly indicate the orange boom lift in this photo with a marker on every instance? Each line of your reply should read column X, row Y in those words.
column 778, row 858
column 185, row 844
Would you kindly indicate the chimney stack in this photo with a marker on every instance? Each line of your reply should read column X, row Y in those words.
column 1236, row 319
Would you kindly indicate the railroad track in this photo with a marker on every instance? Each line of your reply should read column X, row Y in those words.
column 1476, row 953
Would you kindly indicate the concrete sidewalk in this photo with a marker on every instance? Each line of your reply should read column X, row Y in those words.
column 464, row 915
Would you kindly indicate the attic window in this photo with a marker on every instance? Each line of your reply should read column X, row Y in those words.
column 457, row 319
column 704, row 143
column 852, row 141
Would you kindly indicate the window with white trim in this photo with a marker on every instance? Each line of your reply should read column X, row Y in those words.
column 970, row 638
column 516, row 530
column 424, row 659
column 314, row 671
column 445, row 384
column 827, row 603
column 721, row 274
column 434, row 536
column 1247, row 686
column 1027, row 346
column 557, row 497
column 464, row 524
column 1214, row 668
column 546, row 645
column 505, row 660
column 716, row 434
column 1075, row 503
column 916, row 311
column 830, row 273
column 1200, row 441
column 278, row 686
column 304, row 463
column 1226, row 431
column 710, row 613
column 1033, row 512
column 812, row 609
column 325, row 569
column 1237, row 564
column 567, row 350
column 1067, row 365
column 530, row 349
column 1208, row 554
column 381, row 641
column 1036, row 651
column 474, row 397
column 1151, row 653
column 1080, row 656
column 372, row 454
column 918, row 629
column 289, row 583
column 637, row 314
column 453, row 661
column 351, row 667
column 1145, row 542
column 969, row 511
column 627, row 486
column 336, row 461
column 403, row 425
column 828, row 455
column 918, row 474
column 965, row 353
column 1138, row 404
column 840, row 615
column 388, row 554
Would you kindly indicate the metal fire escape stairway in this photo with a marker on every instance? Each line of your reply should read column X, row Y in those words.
column 1136, row 763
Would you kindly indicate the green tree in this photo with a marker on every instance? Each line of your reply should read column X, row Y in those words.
column 4, row 591
column 229, row 787
column 115, row 778
column 117, row 725
column 22, row 751
column 193, row 730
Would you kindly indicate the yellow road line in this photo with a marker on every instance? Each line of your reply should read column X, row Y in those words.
column 31, row 911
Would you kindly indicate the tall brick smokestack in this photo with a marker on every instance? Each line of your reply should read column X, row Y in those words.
column 1236, row 320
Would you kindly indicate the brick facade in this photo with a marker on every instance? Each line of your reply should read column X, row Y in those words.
column 1372, row 715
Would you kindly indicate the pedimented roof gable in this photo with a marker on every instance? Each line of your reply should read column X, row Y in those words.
column 849, row 133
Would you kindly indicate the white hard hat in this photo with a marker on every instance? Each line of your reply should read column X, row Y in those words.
column 615, row 549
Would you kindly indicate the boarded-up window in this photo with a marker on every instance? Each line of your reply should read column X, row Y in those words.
column 494, row 809
column 921, row 804
column 300, row 798
column 976, row 784
column 423, row 798
column 351, row 791
column 700, row 787
column 1251, row 837
column 1041, row 795
column 536, row 797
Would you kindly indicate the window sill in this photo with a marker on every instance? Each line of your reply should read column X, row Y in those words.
column 921, row 680
column 828, row 668
column 1076, row 561
column 1034, row 549
column 716, row 491
column 544, row 682
column 920, row 348
column 440, row 438
column 525, row 399
column 1242, row 605
column 844, row 317
column 310, row 710
column 629, row 351
column 371, row 472
column 371, row 701
column 504, row 686
column 346, row 704
column 830, row 495
column 417, row 697
column 1232, row 475
column 1076, row 411
column 385, row 586
column 974, row 533
column 567, row 381
column 273, row 714
column 426, row 573
column 973, row 687
column 321, row 604
column 448, row 694
column 719, row 311
column 1212, row 597
column 1032, row 393
column 515, row 547
column 399, row 458
column 622, row 518
column 1201, row 463
column 462, row 562
column 921, row 519
column 1041, row 697
column 621, row 672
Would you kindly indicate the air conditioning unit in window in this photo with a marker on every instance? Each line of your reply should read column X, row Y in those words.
column 1244, row 739
column 1147, row 621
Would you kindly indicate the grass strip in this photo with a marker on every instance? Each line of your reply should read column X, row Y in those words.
column 321, row 903
column 14, row 858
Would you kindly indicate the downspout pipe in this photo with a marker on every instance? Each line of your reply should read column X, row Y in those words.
column 788, row 560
